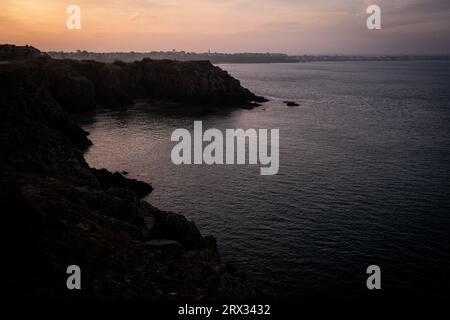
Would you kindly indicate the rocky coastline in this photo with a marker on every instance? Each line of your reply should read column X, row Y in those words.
column 61, row 212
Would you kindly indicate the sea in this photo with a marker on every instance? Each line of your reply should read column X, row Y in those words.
column 364, row 176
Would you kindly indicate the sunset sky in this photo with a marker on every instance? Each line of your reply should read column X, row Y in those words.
column 291, row 26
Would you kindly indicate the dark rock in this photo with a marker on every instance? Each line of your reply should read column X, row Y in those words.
column 291, row 103
column 251, row 105
column 163, row 244
column 176, row 227
column 57, row 211
column 108, row 180
column 260, row 99
column 12, row 52
column 79, row 86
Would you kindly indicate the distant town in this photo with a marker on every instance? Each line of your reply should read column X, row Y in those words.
column 214, row 57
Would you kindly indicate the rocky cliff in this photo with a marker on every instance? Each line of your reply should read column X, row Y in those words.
column 57, row 211
column 84, row 85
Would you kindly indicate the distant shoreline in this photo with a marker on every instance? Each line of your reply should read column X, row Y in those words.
column 221, row 58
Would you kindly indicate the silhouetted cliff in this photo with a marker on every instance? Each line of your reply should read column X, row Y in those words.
column 82, row 85
column 57, row 211
column 12, row 52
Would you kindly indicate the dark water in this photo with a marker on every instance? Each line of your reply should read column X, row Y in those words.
column 364, row 176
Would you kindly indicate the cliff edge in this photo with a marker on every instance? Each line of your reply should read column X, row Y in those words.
column 57, row 211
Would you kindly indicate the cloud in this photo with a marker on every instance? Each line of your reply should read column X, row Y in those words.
column 295, row 26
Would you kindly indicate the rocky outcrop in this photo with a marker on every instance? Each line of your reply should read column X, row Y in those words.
column 13, row 52
column 291, row 103
column 83, row 85
column 110, row 180
column 57, row 211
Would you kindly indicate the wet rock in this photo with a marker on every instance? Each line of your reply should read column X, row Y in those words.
column 163, row 244
column 176, row 227
column 108, row 180
column 291, row 103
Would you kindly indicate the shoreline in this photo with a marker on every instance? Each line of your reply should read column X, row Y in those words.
column 78, row 215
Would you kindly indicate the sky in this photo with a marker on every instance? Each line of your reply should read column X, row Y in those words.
column 289, row 26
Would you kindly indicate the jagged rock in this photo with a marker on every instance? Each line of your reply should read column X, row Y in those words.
column 163, row 244
column 79, row 86
column 108, row 180
column 291, row 103
column 176, row 227
column 57, row 211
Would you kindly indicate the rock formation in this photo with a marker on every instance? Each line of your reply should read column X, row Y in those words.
column 291, row 103
column 12, row 52
column 57, row 211
column 83, row 85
